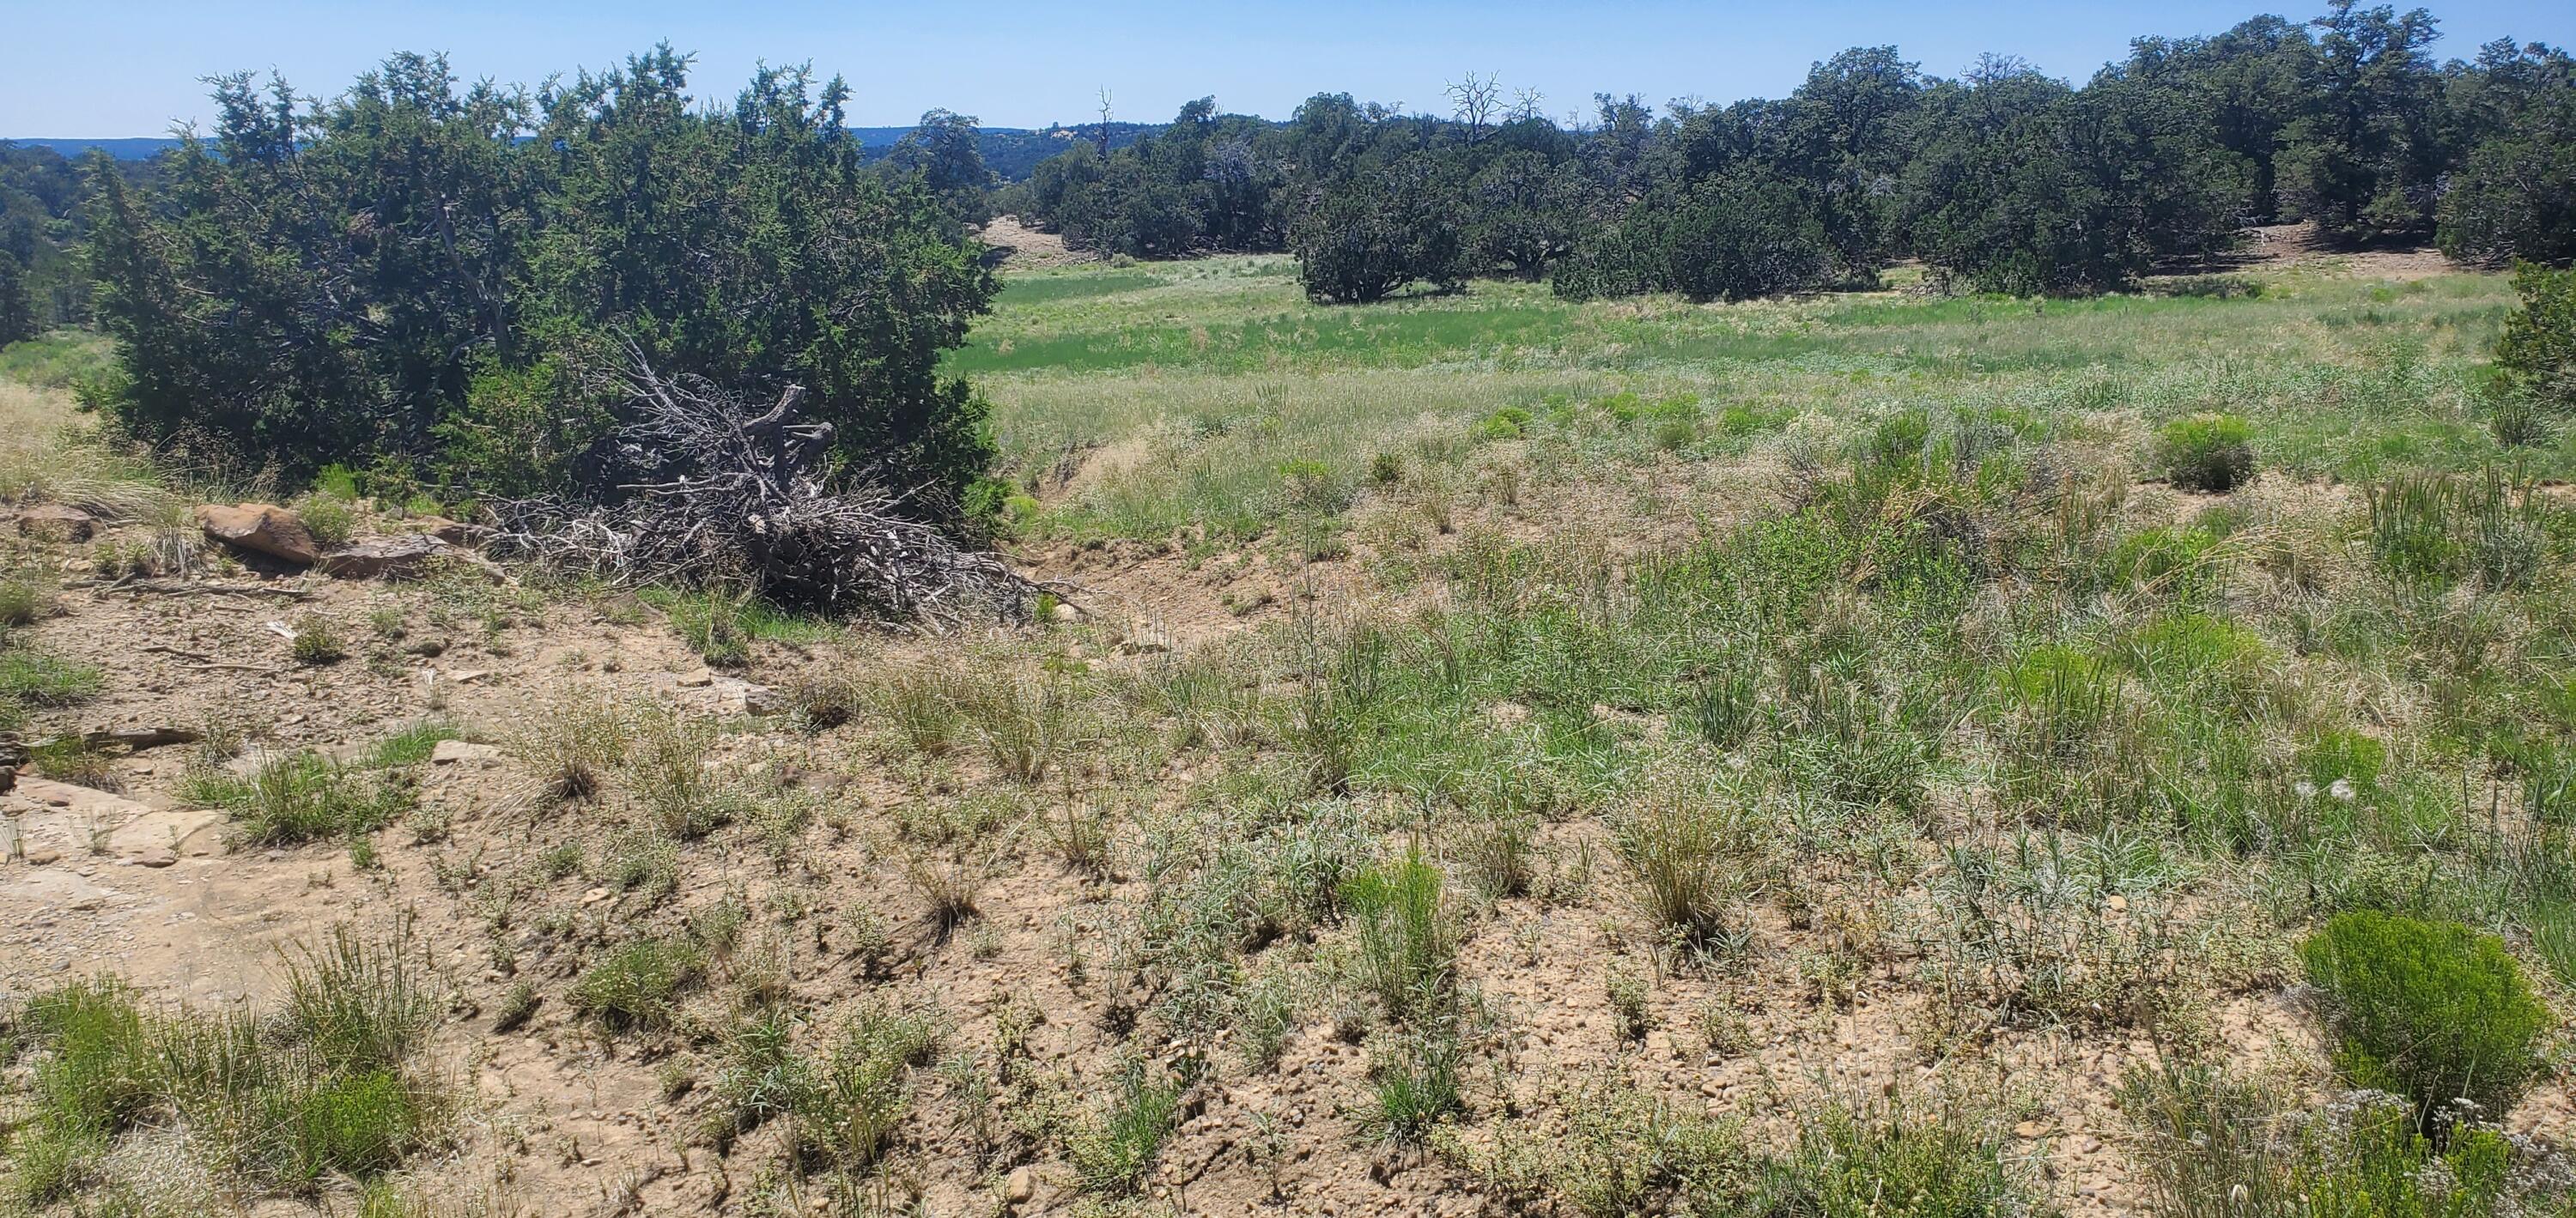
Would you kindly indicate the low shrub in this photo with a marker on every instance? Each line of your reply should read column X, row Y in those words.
column 2207, row 451
column 2218, row 1146
column 2433, row 1011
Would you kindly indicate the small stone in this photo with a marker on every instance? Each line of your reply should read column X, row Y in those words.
column 2028, row 1130
column 1021, row 1187
column 450, row 752
column 594, row 896
column 153, row 856
column 43, row 856
column 697, row 680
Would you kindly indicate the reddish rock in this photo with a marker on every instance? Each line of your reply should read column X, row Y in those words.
column 56, row 522
column 261, row 528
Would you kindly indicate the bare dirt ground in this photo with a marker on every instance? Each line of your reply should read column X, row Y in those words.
column 1026, row 247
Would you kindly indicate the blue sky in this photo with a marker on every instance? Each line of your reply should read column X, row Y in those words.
column 106, row 68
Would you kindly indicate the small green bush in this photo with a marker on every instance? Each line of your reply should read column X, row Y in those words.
column 2214, row 1144
column 2207, row 452
column 328, row 516
column 23, row 602
column 638, row 985
column 2433, row 1011
column 317, row 641
column 1113, row 1151
column 1507, row 423
column 1408, row 936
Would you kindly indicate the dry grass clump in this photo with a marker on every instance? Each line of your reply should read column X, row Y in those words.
column 1691, row 845
column 572, row 745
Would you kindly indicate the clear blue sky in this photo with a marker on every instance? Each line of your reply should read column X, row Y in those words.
column 102, row 68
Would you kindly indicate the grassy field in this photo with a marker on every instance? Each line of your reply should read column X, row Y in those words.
column 1231, row 393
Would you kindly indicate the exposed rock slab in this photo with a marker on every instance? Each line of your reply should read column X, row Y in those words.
column 390, row 556
column 261, row 528
column 56, row 522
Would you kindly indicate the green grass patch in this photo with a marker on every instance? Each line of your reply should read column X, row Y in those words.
column 303, row 797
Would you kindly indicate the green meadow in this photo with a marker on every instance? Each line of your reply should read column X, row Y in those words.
column 1218, row 375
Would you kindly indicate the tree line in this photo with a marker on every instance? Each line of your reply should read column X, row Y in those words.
column 2002, row 179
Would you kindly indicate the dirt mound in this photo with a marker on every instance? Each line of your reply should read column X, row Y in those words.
column 1023, row 246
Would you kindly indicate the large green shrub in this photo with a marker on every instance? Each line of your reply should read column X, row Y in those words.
column 1384, row 229
column 2433, row 1011
column 2538, row 349
column 2206, row 451
column 458, row 278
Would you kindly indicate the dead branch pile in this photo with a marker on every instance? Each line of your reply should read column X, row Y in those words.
column 717, row 492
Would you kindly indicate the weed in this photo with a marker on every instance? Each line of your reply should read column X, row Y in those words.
column 518, row 1006
column 317, row 641
column 31, row 680
column 1895, row 1159
column 572, row 746
column 23, row 602
column 2216, row 1146
column 411, row 746
column 1114, row 1149
column 862, row 1091
column 1621, row 1152
column 666, row 765
column 1408, row 936
column 1685, row 848
column 73, row 760
column 637, row 985
column 1630, row 993
column 1413, row 1083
